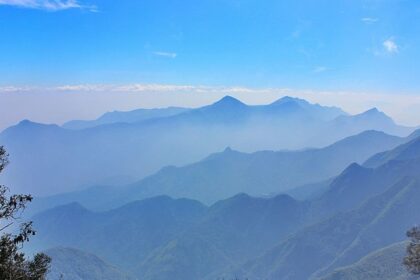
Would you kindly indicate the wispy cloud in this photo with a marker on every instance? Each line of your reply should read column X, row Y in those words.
column 138, row 88
column 125, row 88
column 390, row 46
column 50, row 5
column 369, row 20
column 166, row 54
column 320, row 69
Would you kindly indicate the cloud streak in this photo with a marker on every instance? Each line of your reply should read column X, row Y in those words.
column 166, row 54
column 137, row 88
column 320, row 69
column 49, row 5
column 369, row 20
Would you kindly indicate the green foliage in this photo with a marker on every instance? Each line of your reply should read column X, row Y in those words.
column 13, row 264
column 412, row 260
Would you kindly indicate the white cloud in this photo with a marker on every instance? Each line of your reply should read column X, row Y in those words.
column 390, row 46
column 166, row 54
column 50, row 5
column 369, row 20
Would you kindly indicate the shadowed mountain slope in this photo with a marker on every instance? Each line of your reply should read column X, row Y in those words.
column 72, row 264
column 340, row 240
column 122, row 236
column 408, row 151
column 314, row 251
column 232, row 231
column 364, row 210
column 383, row 264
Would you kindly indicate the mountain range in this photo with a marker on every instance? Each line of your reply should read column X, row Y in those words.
column 124, row 235
column 363, row 211
column 374, row 206
column 125, row 117
column 222, row 175
column 127, row 146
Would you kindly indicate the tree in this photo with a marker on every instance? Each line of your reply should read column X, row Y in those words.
column 13, row 263
column 412, row 260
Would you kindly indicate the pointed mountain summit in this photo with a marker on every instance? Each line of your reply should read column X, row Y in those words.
column 372, row 111
column 228, row 102
column 373, row 114
column 226, row 110
column 26, row 127
column 289, row 99
column 371, row 119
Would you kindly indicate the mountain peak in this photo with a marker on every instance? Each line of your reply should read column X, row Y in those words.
column 228, row 150
column 26, row 122
column 229, row 101
column 26, row 126
column 29, row 123
column 288, row 99
column 373, row 110
column 374, row 113
column 354, row 169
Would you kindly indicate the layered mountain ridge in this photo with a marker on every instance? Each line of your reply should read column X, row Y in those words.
column 139, row 143
column 254, row 238
column 225, row 174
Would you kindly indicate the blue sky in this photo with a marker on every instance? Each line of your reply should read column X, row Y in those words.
column 351, row 46
column 346, row 45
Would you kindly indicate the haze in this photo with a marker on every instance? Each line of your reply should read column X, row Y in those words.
column 209, row 139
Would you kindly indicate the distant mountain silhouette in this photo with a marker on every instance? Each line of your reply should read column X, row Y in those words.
column 371, row 118
column 308, row 110
column 47, row 159
column 125, row 117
